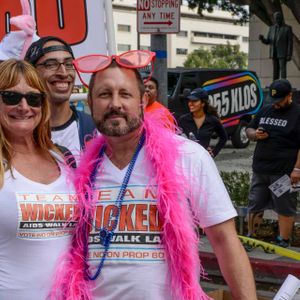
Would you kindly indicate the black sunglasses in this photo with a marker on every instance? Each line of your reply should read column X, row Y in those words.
column 14, row 98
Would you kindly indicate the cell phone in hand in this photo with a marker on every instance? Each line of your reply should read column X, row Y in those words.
column 262, row 129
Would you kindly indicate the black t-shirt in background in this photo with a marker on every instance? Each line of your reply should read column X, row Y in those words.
column 278, row 153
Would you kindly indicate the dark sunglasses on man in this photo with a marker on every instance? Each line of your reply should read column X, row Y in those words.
column 14, row 98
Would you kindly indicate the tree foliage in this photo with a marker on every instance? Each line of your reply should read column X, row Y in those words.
column 263, row 9
column 237, row 10
column 220, row 56
column 237, row 184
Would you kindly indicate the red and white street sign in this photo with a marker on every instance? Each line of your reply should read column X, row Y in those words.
column 158, row 16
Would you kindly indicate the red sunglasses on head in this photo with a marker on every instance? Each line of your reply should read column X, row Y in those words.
column 134, row 59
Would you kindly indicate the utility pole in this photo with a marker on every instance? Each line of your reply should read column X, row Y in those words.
column 159, row 46
column 159, row 18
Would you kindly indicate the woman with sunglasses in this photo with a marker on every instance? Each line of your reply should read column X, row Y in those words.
column 202, row 121
column 35, row 200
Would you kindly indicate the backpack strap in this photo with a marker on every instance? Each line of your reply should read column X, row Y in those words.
column 68, row 155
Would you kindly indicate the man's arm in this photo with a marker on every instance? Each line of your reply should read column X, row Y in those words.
column 256, row 134
column 233, row 260
column 295, row 175
column 264, row 40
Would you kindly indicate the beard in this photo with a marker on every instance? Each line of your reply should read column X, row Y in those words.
column 116, row 127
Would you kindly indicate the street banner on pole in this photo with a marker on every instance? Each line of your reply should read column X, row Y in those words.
column 86, row 25
column 158, row 16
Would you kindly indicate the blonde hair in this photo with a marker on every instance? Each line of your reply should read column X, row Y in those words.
column 10, row 72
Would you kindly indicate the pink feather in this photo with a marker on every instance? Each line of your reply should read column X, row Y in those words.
column 162, row 149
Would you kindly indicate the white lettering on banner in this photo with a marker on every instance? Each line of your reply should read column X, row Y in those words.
column 225, row 103
column 273, row 121
column 253, row 89
column 234, row 100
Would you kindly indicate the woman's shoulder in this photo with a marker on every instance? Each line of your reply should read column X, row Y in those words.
column 186, row 116
column 212, row 118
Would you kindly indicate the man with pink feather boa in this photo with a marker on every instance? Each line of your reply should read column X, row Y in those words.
column 142, row 191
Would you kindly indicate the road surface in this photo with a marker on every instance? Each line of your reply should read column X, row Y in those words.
column 231, row 159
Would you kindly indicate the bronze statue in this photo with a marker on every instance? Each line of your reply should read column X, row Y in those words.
column 280, row 39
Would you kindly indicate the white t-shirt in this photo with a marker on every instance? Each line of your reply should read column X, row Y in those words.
column 135, row 267
column 32, row 234
column 69, row 138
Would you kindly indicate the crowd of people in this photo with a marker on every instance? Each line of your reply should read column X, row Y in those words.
column 120, row 222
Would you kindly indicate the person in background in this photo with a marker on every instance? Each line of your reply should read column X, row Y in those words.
column 35, row 198
column 202, row 122
column 151, row 89
column 276, row 129
column 53, row 59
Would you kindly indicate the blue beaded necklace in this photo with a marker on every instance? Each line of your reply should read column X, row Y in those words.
column 105, row 234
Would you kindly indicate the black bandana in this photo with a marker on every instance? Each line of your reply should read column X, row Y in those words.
column 36, row 50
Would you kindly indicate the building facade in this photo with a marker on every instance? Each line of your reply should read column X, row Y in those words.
column 195, row 32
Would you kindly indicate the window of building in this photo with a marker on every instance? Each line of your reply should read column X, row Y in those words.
column 215, row 35
column 124, row 47
column 230, row 37
column 201, row 34
column 245, row 39
column 183, row 33
column 181, row 51
column 123, row 27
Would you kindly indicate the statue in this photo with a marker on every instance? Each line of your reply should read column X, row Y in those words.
column 280, row 39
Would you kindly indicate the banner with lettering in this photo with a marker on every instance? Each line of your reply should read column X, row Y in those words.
column 84, row 24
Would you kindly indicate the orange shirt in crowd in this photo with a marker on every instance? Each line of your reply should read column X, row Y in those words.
column 169, row 119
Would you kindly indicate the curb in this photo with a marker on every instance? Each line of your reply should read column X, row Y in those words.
column 276, row 269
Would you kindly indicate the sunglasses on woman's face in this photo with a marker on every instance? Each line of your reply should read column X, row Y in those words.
column 14, row 98
column 134, row 59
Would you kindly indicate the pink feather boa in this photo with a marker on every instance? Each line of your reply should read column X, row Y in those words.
column 162, row 149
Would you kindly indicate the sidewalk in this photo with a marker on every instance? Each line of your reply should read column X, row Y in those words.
column 266, row 267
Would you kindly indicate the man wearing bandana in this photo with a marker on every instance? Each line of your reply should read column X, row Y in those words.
column 53, row 58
